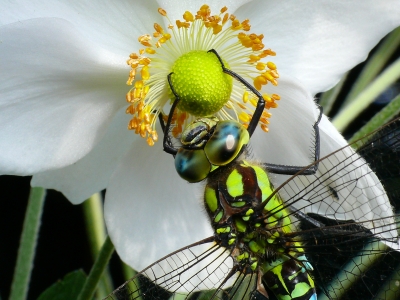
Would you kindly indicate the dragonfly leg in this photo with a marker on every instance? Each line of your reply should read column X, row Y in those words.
column 302, row 170
column 261, row 102
column 168, row 147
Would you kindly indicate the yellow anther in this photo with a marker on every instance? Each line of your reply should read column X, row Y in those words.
column 262, row 79
column 132, row 124
column 165, row 38
column 132, row 73
column 275, row 97
column 162, row 12
column 245, row 96
column 257, row 47
column 236, row 25
column 273, row 104
column 145, row 39
column 158, row 28
column 260, row 66
column 188, row 16
column 136, row 94
column 264, row 127
column 266, row 98
column 150, row 141
column 154, row 135
column 254, row 58
column 268, row 76
column 266, row 114
column 263, row 120
column 274, row 73
column 267, row 52
column 244, row 117
column 144, row 61
column 225, row 19
column 145, row 73
column 271, row 65
column 150, row 51
column 217, row 29
column 182, row 24
column 224, row 9
column 242, row 106
column 139, row 84
column 130, row 110
column 128, row 97
column 133, row 56
column 245, row 25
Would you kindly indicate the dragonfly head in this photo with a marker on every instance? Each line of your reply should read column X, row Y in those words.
column 208, row 144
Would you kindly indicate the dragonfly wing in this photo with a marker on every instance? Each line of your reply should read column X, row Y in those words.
column 203, row 266
column 345, row 188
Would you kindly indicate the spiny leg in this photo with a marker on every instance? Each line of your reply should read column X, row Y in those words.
column 261, row 102
column 168, row 147
column 292, row 170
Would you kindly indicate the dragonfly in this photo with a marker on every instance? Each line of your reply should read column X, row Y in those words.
column 333, row 234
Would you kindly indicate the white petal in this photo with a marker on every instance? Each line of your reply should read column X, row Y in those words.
column 317, row 41
column 113, row 26
column 91, row 173
column 149, row 210
column 290, row 137
column 175, row 8
column 57, row 95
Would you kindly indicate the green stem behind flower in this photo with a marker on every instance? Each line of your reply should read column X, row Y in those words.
column 96, row 232
column 27, row 247
column 374, row 65
column 97, row 270
column 329, row 97
column 381, row 83
column 384, row 116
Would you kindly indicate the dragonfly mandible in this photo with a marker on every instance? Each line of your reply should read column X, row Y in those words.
column 315, row 233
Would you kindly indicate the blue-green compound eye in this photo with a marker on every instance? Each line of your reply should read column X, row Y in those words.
column 226, row 142
column 192, row 165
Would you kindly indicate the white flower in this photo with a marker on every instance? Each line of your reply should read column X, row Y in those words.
column 62, row 102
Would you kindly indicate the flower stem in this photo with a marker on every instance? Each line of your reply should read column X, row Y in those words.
column 92, row 209
column 388, row 77
column 374, row 65
column 97, row 270
column 27, row 246
column 384, row 116
column 329, row 97
column 95, row 228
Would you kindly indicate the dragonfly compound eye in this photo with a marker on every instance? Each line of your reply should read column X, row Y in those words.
column 226, row 142
column 192, row 165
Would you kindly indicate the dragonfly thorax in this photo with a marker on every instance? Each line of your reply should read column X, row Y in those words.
column 245, row 218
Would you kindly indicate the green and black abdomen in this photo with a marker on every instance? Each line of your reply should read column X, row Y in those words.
column 254, row 226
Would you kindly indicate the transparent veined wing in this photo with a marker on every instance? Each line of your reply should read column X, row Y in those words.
column 346, row 221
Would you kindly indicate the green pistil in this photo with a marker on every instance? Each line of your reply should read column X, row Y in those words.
column 200, row 83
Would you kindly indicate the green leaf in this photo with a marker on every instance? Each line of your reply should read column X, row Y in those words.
column 66, row 289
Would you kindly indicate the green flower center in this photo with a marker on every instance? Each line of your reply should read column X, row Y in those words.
column 200, row 83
